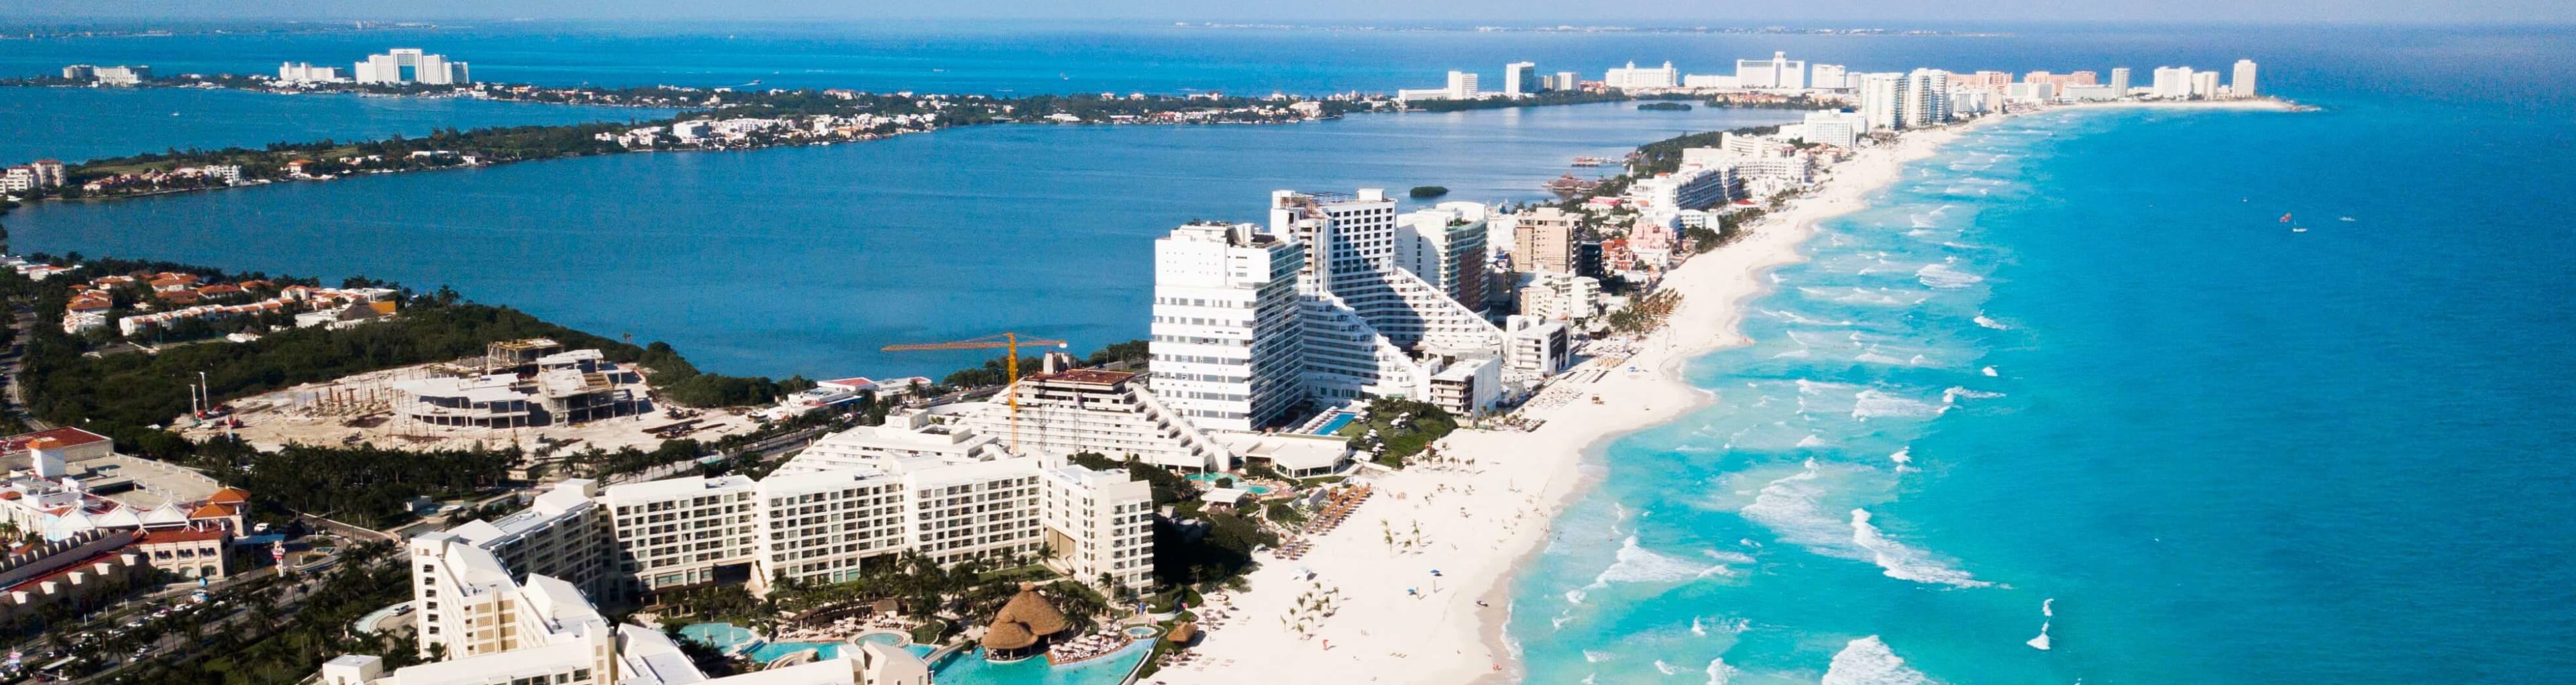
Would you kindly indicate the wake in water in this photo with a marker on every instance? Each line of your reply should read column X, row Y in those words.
column 2046, row 610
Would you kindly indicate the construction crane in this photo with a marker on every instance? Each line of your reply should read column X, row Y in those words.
column 1011, row 343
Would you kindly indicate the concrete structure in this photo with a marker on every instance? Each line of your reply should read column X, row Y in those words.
column 1838, row 129
column 1543, row 240
column 1535, row 347
column 2204, row 85
column 1369, row 325
column 1828, row 77
column 1778, row 72
column 1445, row 247
column 408, row 66
column 93, row 567
column 305, row 72
column 2120, row 80
column 1463, row 86
column 539, row 390
column 1632, row 77
column 2242, row 83
column 1110, row 413
column 1925, row 99
column 121, row 75
column 1880, row 95
column 2172, row 83
column 498, row 625
column 1226, row 349
column 1521, row 79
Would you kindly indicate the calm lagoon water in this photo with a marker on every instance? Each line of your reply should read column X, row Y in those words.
column 76, row 124
column 806, row 260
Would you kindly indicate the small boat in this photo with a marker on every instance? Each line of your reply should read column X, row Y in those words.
column 2301, row 229
column 2344, row 218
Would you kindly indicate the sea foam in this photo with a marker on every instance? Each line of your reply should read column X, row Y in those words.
column 1719, row 672
column 1868, row 661
column 1902, row 562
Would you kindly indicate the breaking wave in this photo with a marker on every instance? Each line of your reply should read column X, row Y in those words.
column 1902, row 562
column 1944, row 277
column 1868, row 661
column 1719, row 672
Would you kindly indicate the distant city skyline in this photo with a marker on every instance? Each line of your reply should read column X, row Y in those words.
column 1348, row 11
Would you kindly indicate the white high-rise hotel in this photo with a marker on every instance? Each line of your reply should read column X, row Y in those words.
column 1892, row 101
column 1777, row 72
column 410, row 65
column 1229, row 356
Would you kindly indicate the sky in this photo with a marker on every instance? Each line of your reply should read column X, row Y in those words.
column 1873, row 13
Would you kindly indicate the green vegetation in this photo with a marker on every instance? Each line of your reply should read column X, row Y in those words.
column 1664, row 107
column 1428, row 192
column 1396, row 429
column 1553, row 97
column 270, row 644
column 1645, row 314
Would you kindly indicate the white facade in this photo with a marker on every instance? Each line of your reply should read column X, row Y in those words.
column 1098, row 523
column 1777, row 72
column 411, row 65
column 1520, row 78
column 2204, row 85
column 1925, row 100
column 1109, row 413
column 1445, row 247
column 2242, row 84
column 1536, row 347
column 1462, row 86
column 302, row 72
column 1710, row 81
column 2173, row 82
column 1838, row 129
column 1633, row 77
column 1880, row 95
column 1828, row 77
column 2120, row 80
column 1226, row 348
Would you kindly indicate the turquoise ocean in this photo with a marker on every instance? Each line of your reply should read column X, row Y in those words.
column 2074, row 374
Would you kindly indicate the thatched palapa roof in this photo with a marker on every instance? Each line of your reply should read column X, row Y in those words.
column 1008, row 636
column 1024, row 619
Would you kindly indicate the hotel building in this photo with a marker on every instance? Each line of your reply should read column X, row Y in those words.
column 410, row 65
column 1226, row 351
column 1777, row 72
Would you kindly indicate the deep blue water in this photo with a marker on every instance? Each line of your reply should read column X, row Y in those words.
column 807, row 260
column 2230, row 452
column 75, row 124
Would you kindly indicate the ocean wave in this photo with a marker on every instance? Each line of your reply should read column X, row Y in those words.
column 1956, row 393
column 1636, row 564
column 1812, row 441
column 1901, row 562
column 1592, row 657
column 1946, row 278
column 1666, row 669
column 1988, row 371
column 1903, row 457
column 1983, row 320
column 1792, row 507
column 1868, row 661
column 1876, row 404
column 1719, row 673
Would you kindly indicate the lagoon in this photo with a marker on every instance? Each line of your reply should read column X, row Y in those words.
column 806, row 260
column 79, row 124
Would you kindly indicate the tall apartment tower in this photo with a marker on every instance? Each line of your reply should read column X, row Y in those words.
column 1828, row 77
column 2120, row 81
column 1226, row 345
column 1543, row 240
column 1520, row 78
column 1926, row 100
column 2173, row 82
column 2243, row 82
column 1462, row 86
column 1879, row 98
column 1445, row 247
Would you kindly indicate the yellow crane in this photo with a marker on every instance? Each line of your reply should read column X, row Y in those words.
column 1010, row 343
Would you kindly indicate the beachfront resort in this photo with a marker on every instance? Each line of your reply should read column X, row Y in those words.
column 1351, row 420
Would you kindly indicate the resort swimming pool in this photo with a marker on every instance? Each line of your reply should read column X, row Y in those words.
column 1335, row 424
column 968, row 667
column 725, row 637
column 771, row 651
column 1212, row 478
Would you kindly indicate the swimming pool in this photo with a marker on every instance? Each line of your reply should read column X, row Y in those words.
column 1335, row 424
column 725, row 637
column 968, row 667
column 772, row 651
column 1212, row 478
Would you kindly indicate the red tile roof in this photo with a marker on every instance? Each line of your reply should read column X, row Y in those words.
column 68, row 436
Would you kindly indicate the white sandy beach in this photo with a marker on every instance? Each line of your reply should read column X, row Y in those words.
column 1391, row 620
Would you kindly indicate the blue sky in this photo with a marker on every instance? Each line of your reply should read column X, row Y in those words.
column 1632, row 12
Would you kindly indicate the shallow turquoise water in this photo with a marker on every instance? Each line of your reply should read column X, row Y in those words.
column 2078, row 357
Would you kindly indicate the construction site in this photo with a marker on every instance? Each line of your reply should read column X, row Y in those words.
column 531, row 393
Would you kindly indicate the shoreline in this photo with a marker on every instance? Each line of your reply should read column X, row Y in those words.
column 1376, row 631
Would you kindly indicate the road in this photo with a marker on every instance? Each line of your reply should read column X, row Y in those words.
column 22, row 318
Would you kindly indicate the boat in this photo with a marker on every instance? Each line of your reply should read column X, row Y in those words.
column 1591, row 161
column 2301, row 229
